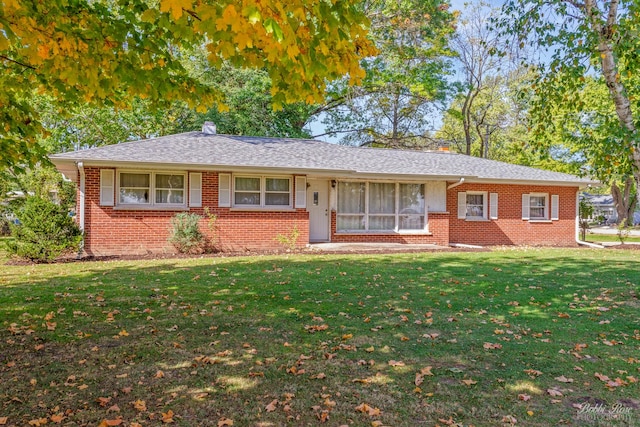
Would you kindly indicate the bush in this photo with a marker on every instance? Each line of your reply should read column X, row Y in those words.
column 186, row 236
column 44, row 232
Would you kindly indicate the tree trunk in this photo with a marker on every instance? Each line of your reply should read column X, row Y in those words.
column 624, row 201
column 605, row 32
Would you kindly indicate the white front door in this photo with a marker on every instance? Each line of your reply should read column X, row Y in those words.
column 318, row 207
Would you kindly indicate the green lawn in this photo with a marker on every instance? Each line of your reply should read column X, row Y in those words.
column 610, row 238
column 484, row 339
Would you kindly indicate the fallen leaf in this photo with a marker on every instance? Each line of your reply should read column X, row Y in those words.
column 167, row 417
column 369, row 410
column 111, row 423
column 3, row 420
column 103, row 401
column 509, row 419
column 469, row 382
column 564, row 379
column 395, row 363
column 225, row 422
column 38, row 422
column 524, row 397
column 140, row 405
column 554, row 392
column 159, row 374
column 272, row 406
column 491, row 346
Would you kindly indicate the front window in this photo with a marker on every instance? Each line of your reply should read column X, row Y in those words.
column 538, row 206
column 152, row 188
column 351, row 206
column 247, row 191
column 135, row 188
column 380, row 206
column 170, row 189
column 255, row 191
column 476, row 205
column 411, row 209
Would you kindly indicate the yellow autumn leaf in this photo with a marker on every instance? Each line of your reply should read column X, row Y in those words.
column 175, row 7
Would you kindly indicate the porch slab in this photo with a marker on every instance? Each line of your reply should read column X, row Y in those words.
column 373, row 247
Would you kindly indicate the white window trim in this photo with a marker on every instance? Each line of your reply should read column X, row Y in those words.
column 152, row 190
column 396, row 214
column 546, row 207
column 485, row 206
column 263, row 192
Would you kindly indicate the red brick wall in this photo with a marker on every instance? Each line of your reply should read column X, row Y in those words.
column 110, row 231
column 438, row 233
column 510, row 228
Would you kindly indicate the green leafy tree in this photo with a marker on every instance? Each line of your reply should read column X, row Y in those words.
column 589, row 38
column 394, row 105
column 109, row 52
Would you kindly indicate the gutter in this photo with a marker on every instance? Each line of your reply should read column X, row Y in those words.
column 456, row 184
column 578, row 241
column 81, row 205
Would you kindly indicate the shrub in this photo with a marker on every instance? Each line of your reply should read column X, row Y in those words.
column 44, row 232
column 185, row 235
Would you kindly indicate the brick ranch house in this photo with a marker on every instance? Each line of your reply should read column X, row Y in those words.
column 261, row 188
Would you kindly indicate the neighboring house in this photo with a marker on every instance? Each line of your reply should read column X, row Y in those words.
column 261, row 188
column 603, row 207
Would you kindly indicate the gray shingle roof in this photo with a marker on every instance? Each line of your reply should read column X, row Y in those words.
column 195, row 149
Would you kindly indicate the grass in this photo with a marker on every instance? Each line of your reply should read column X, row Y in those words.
column 610, row 238
column 514, row 334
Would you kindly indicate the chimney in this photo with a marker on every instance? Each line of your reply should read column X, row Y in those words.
column 209, row 128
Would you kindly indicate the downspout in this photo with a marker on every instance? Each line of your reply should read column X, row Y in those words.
column 81, row 204
column 456, row 184
column 577, row 226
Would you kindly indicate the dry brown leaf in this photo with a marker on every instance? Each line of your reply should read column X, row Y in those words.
column 554, row 392
column 272, row 406
column 111, row 423
column 167, row 417
column 509, row 419
column 491, row 346
column 563, row 379
column 395, row 363
column 524, row 397
column 3, row 420
column 159, row 374
column 225, row 422
column 369, row 410
column 419, row 379
column 38, row 422
column 601, row 377
column 103, row 401
column 114, row 408
column 140, row 405
column 469, row 382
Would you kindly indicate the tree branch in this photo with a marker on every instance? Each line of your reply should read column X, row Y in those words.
column 17, row 62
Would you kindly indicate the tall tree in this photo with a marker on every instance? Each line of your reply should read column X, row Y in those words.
column 393, row 105
column 484, row 74
column 107, row 52
column 583, row 38
column 586, row 129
